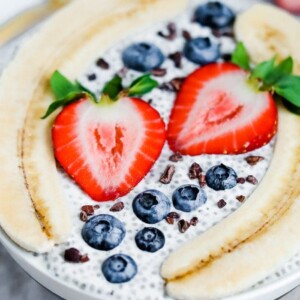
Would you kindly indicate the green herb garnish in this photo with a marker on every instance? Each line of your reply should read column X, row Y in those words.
column 66, row 92
column 272, row 77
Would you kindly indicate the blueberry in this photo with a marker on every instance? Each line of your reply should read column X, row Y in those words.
column 151, row 206
column 215, row 15
column 142, row 57
column 201, row 51
column 150, row 239
column 221, row 177
column 188, row 197
column 119, row 268
column 103, row 232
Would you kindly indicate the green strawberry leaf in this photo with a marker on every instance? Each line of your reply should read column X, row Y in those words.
column 240, row 57
column 61, row 86
column 263, row 70
column 113, row 87
column 142, row 85
column 289, row 88
column 72, row 97
column 284, row 68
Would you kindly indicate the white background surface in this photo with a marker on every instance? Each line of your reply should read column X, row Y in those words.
column 15, row 284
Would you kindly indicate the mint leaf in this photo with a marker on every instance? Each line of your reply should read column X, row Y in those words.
column 113, row 87
column 61, row 86
column 284, row 68
column 142, row 85
column 289, row 88
column 84, row 89
column 73, row 96
column 264, row 69
column 241, row 57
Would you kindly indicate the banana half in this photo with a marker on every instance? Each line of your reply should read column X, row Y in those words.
column 268, row 31
column 33, row 211
column 263, row 233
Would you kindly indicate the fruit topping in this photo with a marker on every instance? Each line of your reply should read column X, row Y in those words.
column 150, row 239
column 151, row 206
column 119, row 268
column 221, row 177
column 201, row 50
column 142, row 57
column 188, row 197
column 291, row 5
column 106, row 146
column 103, row 232
column 214, row 14
column 217, row 111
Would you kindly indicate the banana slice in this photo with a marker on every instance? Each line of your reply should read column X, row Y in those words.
column 33, row 211
column 246, row 265
column 267, row 31
column 259, row 210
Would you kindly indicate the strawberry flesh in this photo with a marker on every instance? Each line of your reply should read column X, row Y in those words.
column 108, row 148
column 292, row 6
column 217, row 111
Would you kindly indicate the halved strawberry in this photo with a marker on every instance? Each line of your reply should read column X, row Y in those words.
column 217, row 111
column 108, row 148
column 291, row 5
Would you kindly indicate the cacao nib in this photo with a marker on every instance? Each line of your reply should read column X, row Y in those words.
column 84, row 258
column 183, row 225
column 202, row 181
column 240, row 198
column 186, row 35
column 103, row 64
column 194, row 171
column 159, row 72
column 150, row 101
column 96, row 206
column 173, row 85
column 176, row 157
column 241, row 180
column 72, row 255
column 174, row 215
column 176, row 57
column 117, row 207
column 221, row 203
column 251, row 179
column 168, row 174
column 170, row 220
column 223, row 32
column 92, row 77
column 253, row 160
column 88, row 209
column 194, row 221
column 172, row 32
column 83, row 216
